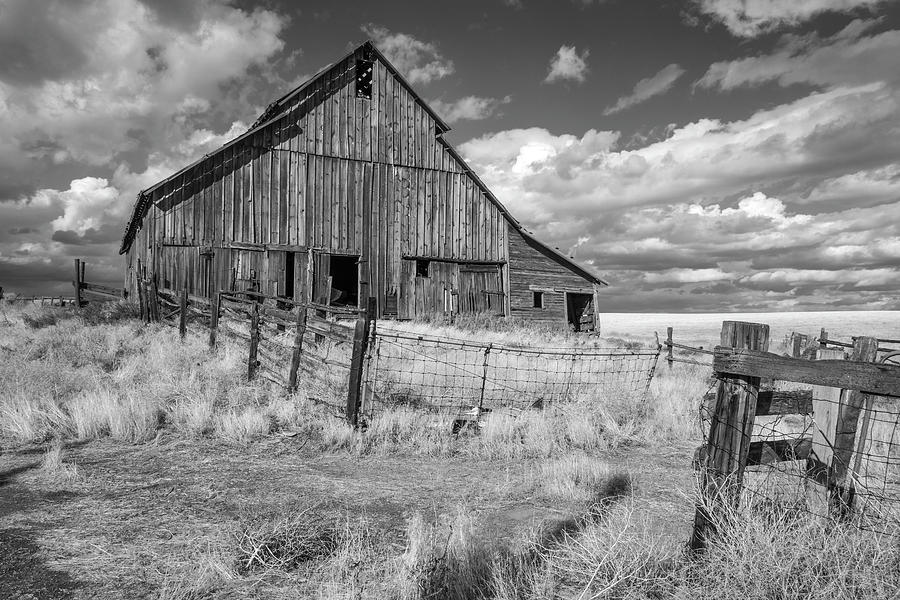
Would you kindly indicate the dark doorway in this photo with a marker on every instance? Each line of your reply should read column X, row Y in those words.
column 288, row 287
column 344, row 275
column 580, row 311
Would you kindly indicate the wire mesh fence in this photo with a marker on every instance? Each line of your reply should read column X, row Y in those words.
column 455, row 376
column 792, row 460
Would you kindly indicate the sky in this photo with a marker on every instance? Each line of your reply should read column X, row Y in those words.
column 701, row 156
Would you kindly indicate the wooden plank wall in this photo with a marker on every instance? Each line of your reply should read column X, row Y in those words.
column 532, row 267
column 334, row 172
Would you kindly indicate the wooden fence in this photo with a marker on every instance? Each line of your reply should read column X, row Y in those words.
column 101, row 293
column 670, row 346
column 849, row 448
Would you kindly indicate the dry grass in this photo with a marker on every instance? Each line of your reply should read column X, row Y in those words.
column 70, row 379
column 55, row 469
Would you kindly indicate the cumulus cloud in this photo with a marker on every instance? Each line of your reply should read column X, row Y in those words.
column 469, row 108
column 646, row 88
column 568, row 65
column 419, row 61
column 100, row 85
column 750, row 18
column 721, row 199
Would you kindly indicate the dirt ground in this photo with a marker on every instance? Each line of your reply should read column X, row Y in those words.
column 138, row 513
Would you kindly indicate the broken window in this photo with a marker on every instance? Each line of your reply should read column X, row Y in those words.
column 422, row 267
column 364, row 70
column 537, row 299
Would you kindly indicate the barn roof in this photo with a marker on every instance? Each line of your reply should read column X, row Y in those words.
column 276, row 110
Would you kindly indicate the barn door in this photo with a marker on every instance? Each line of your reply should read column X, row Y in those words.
column 480, row 289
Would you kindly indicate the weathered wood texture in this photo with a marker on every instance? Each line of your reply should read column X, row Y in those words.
column 731, row 427
column 845, row 436
column 878, row 379
column 534, row 269
column 777, row 402
column 365, row 177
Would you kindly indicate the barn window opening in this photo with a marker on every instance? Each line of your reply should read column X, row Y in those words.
column 364, row 69
column 422, row 267
column 344, row 271
column 537, row 299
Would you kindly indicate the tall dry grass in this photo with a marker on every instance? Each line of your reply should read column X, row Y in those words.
column 86, row 376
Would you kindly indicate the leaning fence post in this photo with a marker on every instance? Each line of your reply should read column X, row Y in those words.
column 360, row 340
column 484, row 369
column 79, row 274
column 840, row 484
column 669, row 358
column 182, row 316
column 299, row 332
column 722, row 463
column 254, row 343
column 214, row 319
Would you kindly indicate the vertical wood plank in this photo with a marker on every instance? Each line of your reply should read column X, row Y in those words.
column 730, row 429
column 840, row 480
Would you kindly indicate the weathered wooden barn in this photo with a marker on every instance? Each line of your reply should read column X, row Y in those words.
column 343, row 189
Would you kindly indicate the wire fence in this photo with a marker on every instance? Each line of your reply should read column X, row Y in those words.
column 795, row 462
column 291, row 343
column 457, row 376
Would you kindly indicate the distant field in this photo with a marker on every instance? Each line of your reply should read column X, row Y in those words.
column 703, row 328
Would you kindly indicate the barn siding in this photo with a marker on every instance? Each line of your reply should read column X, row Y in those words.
column 339, row 174
column 532, row 268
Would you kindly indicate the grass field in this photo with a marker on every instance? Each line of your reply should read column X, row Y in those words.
column 135, row 465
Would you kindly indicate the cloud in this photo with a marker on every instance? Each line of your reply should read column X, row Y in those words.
column 127, row 93
column 470, row 108
column 845, row 58
column 567, row 64
column 750, row 18
column 687, row 220
column 420, row 62
column 137, row 84
column 647, row 88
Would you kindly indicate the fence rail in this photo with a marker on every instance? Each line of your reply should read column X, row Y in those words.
column 832, row 449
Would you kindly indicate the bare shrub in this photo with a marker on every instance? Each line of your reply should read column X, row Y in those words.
column 287, row 540
column 444, row 561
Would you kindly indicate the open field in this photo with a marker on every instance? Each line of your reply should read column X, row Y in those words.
column 702, row 329
column 134, row 465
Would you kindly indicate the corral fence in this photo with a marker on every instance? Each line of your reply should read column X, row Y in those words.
column 95, row 291
column 831, row 449
column 359, row 368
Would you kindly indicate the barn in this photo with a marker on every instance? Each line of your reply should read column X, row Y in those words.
column 345, row 189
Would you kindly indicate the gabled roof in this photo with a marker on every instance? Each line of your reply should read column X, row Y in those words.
column 278, row 109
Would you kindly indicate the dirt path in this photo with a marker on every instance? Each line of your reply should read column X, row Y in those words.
column 136, row 513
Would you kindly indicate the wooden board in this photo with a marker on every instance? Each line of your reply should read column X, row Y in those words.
column 878, row 379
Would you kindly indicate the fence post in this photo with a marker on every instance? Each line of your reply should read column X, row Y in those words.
column 840, row 485
column 484, row 368
column 214, row 320
column 299, row 332
column 254, row 343
column 79, row 275
column 669, row 358
column 182, row 313
column 360, row 340
column 722, row 464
